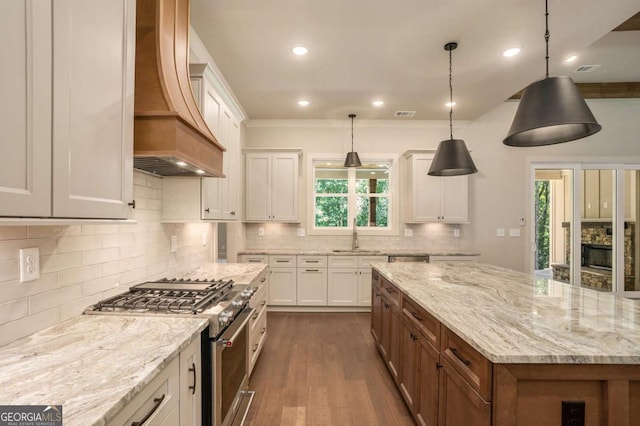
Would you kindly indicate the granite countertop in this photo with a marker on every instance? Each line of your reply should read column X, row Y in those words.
column 92, row 365
column 361, row 252
column 240, row 273
column 512, row 317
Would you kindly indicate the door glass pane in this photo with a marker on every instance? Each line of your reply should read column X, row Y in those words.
column 631, row 258
column 553, row 203
column 597, row 239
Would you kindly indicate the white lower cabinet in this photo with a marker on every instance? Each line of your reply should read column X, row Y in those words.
column 364, row 278
column 282, row 280
column 349, row 282
column 343, row 287
column 173, row 397
column 312, row 286
column 157, row 403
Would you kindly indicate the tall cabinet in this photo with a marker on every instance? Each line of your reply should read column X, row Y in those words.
column 69, row 125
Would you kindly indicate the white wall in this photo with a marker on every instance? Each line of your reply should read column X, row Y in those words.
column 498, row 194
column 82, row 264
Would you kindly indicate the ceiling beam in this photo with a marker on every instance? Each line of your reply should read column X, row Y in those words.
column 603, row 90
column 631, row 24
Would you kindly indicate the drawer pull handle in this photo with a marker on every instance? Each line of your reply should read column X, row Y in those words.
column 385, row 305
column 413, row 337
column 255, row 316
column 263, row 279
column 282, row 261
column 193, row 369
column 255, row 347
column 312, row 270
column 264, row 302
column 264, row 330
column 312, row 261
column 255, row 261
column 156, row 404
column 390, row 290
column 415, row 315
column 454, row 351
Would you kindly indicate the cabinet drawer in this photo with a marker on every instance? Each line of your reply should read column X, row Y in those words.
column 390, row 292
column 284, row 261
column 366, row 261
column 254, row 258
column 428, row 325
column 159, row 397
column 257, row 325
column 343, row 261
column 312, row 261
column 472, row 366
column 259, row 299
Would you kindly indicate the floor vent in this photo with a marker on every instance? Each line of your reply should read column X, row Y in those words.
column 586, row 68
column 405, row 113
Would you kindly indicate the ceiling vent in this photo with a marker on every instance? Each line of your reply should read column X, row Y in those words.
column 405, row 113
column 586, row 68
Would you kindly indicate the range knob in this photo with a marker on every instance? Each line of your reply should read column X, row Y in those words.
column 237, row 303
column 246, row 294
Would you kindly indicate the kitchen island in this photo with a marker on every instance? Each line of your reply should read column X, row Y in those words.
column 479, row 344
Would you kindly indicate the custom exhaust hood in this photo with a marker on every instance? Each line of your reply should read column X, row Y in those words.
column 170, row 136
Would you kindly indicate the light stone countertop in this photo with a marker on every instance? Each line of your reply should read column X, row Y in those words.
column 240, row 273
column 512, row 317
column 92, row 365
column 361, row 252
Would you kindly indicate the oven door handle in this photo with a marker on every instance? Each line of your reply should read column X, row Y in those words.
column 231, row 333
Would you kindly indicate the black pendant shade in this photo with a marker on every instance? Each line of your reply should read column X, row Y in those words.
column 452, row 157
column 353, row 159
column 551, row 111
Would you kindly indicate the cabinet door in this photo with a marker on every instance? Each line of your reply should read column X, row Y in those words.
column 230, row 202
column 343, row 287
column 426, row 402
column 282, row 286
column 211, row 206
column 459, row 404
column 455, row 195
column 364, row 287
column 257, row 187
column 25, row 114
column 284, row 187
column 191, row 384
column 376, row 313
column 410, row 359
column 312, row 287
column 93, row 60
column 426, row 191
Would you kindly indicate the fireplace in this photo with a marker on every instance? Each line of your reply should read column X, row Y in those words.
column 596, row 256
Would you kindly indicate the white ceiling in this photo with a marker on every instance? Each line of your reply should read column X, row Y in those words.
column 361, row 50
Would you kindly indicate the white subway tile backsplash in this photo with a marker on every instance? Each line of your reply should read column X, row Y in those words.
column 14, row 310
column 82, row 264
column 93, row 257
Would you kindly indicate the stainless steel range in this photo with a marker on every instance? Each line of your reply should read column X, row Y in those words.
column 225, row 398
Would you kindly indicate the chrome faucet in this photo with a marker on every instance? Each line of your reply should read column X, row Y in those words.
column 354, row 241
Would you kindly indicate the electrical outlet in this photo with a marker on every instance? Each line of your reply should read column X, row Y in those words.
column 174, row 243
column 408, row 232
column 261, row 232
column 500, row 232
column 514, row 232
column 29, row 264
column 300, row 232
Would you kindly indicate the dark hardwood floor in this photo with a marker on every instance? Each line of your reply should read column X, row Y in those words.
column 323, row 369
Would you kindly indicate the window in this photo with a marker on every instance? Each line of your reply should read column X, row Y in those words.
column 340, row 195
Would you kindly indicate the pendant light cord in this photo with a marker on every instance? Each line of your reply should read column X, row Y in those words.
column 352, row 116
column 450, row 97
column 546, row 34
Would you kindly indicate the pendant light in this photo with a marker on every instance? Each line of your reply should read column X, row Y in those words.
column 352, row 160
column 551, row 110
column 452, row 156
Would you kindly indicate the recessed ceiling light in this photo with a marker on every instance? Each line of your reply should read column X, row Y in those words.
column 373, row 173
column 300, row 50
column 450, row 104
column 303, row 103
column 180, row 163
column 377, row 103
column 571, row 58
column 511, row 52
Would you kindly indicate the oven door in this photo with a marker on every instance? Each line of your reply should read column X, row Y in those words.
column 230, row 372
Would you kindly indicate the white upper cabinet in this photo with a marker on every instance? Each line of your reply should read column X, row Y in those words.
column 433, row 198
column 25, row 114
column 71, row 151
column 219, row 195
column 271, row 179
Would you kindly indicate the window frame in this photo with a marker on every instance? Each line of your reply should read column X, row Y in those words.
column 393, row 195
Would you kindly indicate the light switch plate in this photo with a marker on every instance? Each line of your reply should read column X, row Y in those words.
column 261, row 232
column 408, row 232
column 29, row 264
